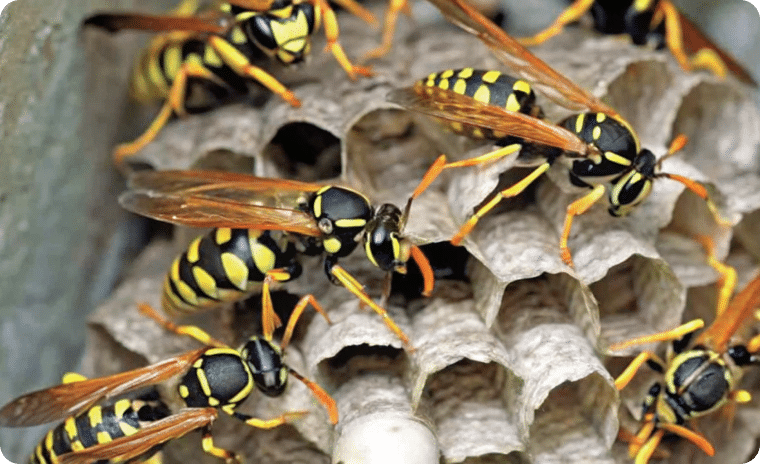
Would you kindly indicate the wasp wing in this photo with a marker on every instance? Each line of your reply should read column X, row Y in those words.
column 694, row 40
column 114, row 22
column 740, row 310
column 147, row 438
column 453, row 107
column 221, row 199
column 554, row 85
column 63, row 400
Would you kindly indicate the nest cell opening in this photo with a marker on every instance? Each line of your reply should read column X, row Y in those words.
column 304, row 152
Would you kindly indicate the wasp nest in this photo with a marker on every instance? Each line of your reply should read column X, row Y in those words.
column 509, row 359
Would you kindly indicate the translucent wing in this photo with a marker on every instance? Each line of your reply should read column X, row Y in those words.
column 553, row 84
column 694, row 40
column 740, row 310
column 453, row 107
column 114, row 22
column 148, row 437
column 64, row 400
column 221, row 199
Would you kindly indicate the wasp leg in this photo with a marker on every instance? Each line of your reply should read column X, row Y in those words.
column 694, row 437
column 389, row 29
column 427, row 271
column 331, row 34
column 353, row 286
column 174, row 104
column 512, row 191
column 187, row 330
column 233, row 58
column 327, row 401
column 266, row 423
column 572, row 14
column 643, row 453
column 209, row 447
column 357, row 10
column 297, row 311
column 269, row 319
column 700, row 190
column 727, row 273
column 704, row 59
column 576, row 208
column 667, row 335
column 627, row 375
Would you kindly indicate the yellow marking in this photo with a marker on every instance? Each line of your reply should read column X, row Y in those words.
column 236, row 270
column 457, row 126
column 617, row 159
column 156, row 76
column 499, row 134
column 476, row 132
column 444, row 84
column 460, row 86
column 432, row 76
column 71, row 430
column 172, row 60
column 332, row 245
column 238, row 36
column 283, row 12
column 95, row 414
column 368, row 251
column 600, row 117
column 579, row 122
column 483, row 94
column 245, row 391
column 446, row 74
column 174, row 270
column 521, row 86
column 103, row 437
column 245, row 15
column 222, row 235
column 226, row 7
column 186, row 293
column 596, row 132
column 636, row 177
column 213, row 401
column 203, row 381
column 263, row 257
column 205, row 281
column 318, row 203
column 295, row 46
column 120, row 407
column 196, row 60
column 211, row 57
column 642, row 5
column 193, row 251
column 49, row 441
column 290, row 30
column 396, row 246
column 430, row 83
column 357, row 222
column 465, row 73
column 71, row 377
column 127, row 429
column 491, row 76
column 183, row 391
column 512, row 103
column 38, row 453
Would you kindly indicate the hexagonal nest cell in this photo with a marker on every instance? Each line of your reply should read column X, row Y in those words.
column 508, row 359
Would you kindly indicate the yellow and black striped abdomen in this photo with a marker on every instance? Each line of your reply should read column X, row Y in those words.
column 488, row 87
column 99, row 424
column 225, row 265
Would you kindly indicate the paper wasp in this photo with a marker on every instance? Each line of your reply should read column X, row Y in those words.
column 701, row 375
column 599, row 148
column 212, row 51
column 653, row 22
column 262, row 226
column 214, row 378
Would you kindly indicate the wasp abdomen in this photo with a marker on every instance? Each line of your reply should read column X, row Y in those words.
column 487, row 87
column 224, row 266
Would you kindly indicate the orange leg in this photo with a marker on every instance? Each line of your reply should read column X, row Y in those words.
column 727, row 273
column 208, row 446
column 572, row 14
column 187, row 330
column 389, row 29
column 700, row 190
column 694, row 437
column 512, row 191
column 576, row 208
column 174, row 104
column 269, row 319
column 266, row 423
column 297, row 311
column 357, row 10
column 331, row 34
column 627, row 375
column 425, row 268
column 667, row 335
column 348, row 281
column 327, row 401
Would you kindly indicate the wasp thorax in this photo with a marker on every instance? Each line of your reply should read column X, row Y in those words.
column 382, row 241
column 342, row 214
column 265, row 360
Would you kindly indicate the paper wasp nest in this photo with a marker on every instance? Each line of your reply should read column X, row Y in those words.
column 509, row 363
